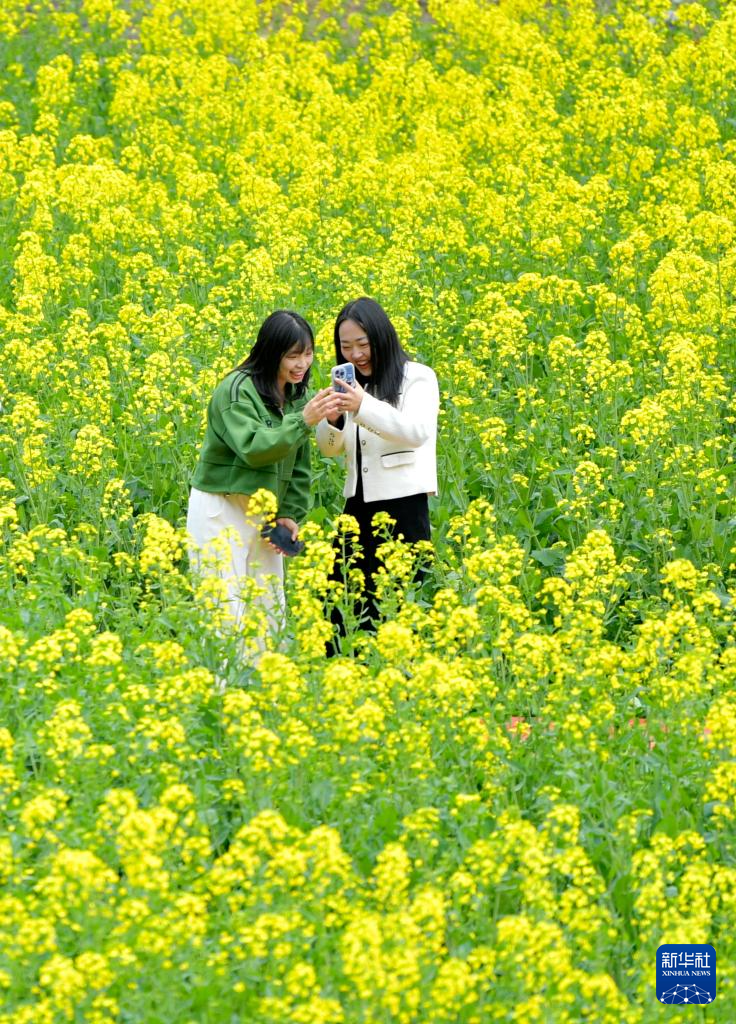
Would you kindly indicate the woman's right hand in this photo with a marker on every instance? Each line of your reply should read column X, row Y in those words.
column 324, row 405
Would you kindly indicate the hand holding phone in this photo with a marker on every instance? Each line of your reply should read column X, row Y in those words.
column 341, row 375
column 280, row 536
column 345, row 383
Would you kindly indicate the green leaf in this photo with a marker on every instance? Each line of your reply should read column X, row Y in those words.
column 548, row 556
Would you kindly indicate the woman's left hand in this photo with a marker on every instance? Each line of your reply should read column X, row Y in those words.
column 351, row 397
column 291, row 526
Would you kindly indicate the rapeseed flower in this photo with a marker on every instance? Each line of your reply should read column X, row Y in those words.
column 545, row 199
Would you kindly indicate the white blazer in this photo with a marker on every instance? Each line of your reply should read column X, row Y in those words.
column 398, row 444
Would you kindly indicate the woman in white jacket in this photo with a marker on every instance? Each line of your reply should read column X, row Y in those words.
column 387, row 431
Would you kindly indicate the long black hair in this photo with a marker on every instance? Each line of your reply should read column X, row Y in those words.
column 387, row 356
column 281, row 331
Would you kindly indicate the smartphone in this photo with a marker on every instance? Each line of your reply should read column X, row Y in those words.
column 342, row 374
column 280, row 537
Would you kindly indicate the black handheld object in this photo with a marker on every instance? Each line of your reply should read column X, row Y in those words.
column 280, row 537
column 342, row 374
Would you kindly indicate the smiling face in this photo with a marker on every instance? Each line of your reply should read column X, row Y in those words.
column 294, row 365
column 355, row 346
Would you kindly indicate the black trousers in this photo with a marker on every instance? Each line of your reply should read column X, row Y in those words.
column 411, row 520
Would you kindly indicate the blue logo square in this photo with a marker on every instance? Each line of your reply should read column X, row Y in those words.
column 686, row 973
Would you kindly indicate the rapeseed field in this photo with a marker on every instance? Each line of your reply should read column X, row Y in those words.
column 501, row 804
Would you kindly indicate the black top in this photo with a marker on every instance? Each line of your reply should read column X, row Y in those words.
column 358, row 466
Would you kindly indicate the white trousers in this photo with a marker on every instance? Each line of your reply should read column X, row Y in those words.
column 228, row 544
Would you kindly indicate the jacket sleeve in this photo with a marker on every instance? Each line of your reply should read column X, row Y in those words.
column 296, row 501
column 411, row 425
column 254, row 441
column 330, row 440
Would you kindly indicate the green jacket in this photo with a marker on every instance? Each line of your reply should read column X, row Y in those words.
column 250, row 444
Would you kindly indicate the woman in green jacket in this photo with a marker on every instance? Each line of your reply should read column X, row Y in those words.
column 258, row 424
